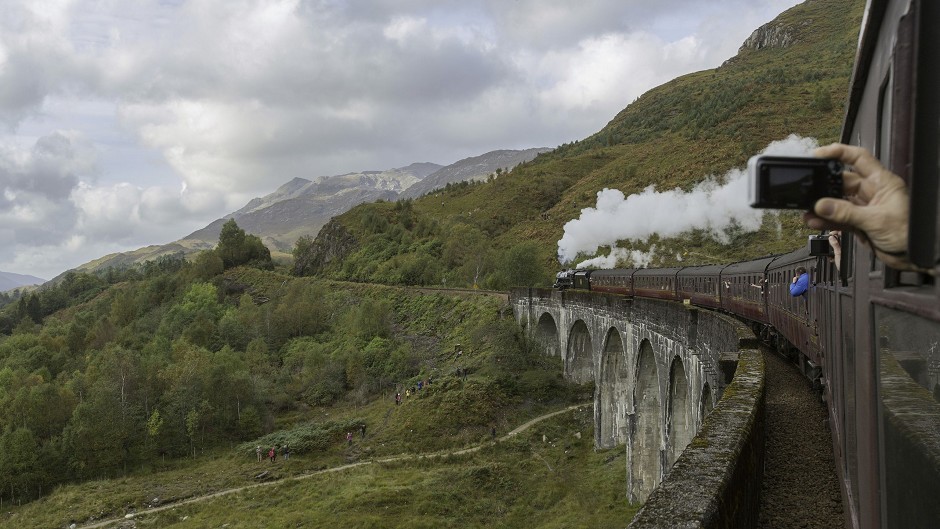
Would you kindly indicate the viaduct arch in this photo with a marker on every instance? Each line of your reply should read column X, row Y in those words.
column 655, row 366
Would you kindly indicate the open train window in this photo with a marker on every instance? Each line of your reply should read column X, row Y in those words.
column 909, row 397
column 908, row 131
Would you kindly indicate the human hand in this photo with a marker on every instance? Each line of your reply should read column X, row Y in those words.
column 835, row 241
column 876, row 204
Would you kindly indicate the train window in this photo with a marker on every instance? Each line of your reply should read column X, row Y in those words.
column 909, row 415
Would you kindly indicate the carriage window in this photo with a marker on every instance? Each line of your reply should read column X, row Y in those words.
column 909, row 393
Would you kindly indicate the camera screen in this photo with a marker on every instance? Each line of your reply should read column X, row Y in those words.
column 790, row 184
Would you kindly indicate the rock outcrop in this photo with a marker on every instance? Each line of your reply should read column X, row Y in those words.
column 772, row 35
column 334, row 242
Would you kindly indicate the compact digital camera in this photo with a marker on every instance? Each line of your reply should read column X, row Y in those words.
column 789, row 182
column 819, row 246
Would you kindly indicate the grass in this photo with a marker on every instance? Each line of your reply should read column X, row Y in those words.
column 547, row 476
column 523, row 482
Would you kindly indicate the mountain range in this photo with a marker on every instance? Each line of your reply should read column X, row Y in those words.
column 301, row 207
column 10, row 281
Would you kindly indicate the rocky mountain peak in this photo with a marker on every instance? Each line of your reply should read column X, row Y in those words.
column 770, row 35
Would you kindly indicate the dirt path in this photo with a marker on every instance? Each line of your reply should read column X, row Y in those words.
column 403, row 457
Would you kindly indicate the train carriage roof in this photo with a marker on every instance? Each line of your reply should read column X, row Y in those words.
column 705, row 270
column 787, row 259
column 616, row 272
column 657, row 272
column 745, row 267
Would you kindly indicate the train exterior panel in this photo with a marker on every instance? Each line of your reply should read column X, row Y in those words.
column 658, row 283
column 700, row 285
column 744, row 289
column 616, row 281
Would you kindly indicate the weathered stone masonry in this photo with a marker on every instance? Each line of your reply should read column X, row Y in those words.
column 656, row 366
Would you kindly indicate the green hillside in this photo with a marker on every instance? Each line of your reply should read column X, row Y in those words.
column 676, row 135
column 160, row 381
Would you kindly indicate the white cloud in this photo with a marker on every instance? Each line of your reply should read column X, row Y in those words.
column 235, row 97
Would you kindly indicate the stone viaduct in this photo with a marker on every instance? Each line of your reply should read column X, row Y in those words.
column 658, row 368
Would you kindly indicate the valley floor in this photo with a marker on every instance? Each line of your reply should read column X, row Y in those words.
column 544, row 473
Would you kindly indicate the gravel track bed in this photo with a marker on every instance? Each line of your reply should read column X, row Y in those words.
column 800, row 487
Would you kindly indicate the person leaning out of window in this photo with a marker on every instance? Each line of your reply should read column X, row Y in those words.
column 800, row 282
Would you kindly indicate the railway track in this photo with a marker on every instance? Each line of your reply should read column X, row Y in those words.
column 800, row 488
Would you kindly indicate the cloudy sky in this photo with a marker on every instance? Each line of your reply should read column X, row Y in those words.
column 125, row 123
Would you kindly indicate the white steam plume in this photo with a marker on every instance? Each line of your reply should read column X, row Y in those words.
column 713, row 205
column 634, row 258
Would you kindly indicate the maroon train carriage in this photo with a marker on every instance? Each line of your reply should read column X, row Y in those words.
column 616, row 281
column 699, row 285
column 659, row 283
column 794, row 318
column 744, row 289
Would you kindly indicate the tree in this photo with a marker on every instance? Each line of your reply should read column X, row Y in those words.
column 192, row 428
column 19, row 461
column 521, row 266
column 154, row 425
column 238, row 248
column 30, row 306
column 206, row 265
column 303, row 255
column 466, row 250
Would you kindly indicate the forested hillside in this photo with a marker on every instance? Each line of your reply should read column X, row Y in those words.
column 102, row 376
column 789, row 78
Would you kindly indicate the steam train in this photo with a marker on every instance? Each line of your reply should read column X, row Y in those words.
column 867, row 333
column 758, row 291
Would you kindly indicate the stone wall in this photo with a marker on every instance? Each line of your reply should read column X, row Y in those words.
column 716, row 480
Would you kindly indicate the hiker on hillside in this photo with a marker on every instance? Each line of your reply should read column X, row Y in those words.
column 398, row 398
column 286, row 451
column 272, row 454
column 349, row 437
column 258, row 452
column 362, row 430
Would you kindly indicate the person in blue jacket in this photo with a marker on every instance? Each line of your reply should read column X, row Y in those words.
column 800, row 282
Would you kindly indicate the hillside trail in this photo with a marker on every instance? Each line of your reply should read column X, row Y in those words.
column 390, row 459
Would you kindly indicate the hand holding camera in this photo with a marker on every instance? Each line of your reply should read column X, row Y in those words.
column 876, row 204
column 845, row 188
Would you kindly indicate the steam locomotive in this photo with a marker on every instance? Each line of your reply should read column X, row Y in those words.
column 868, row 334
